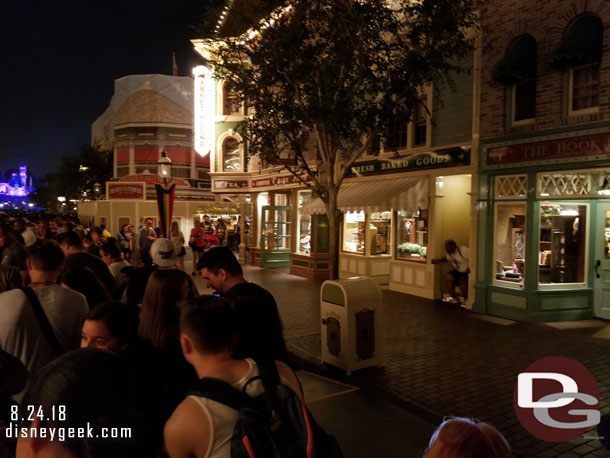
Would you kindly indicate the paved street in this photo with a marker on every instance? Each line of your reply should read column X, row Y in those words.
column 441, row 360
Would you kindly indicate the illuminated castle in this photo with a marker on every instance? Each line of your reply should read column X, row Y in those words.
column 19, row 185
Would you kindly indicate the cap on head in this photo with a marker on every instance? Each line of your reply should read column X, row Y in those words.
column 162, row 252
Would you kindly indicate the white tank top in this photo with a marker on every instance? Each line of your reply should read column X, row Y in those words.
column 222, row 418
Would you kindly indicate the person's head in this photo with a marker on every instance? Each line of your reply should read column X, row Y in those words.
column 175, row 230
column 111, row 326
column 96, row 234
column 44, row 256
column 70, row 242
column 464, row 438
column 220, row 269
column 125, row 228
column 7, row 235
column 162, row 253
column 82, row 387
column 165, row 290
column 197, row 223
column 450, row 246
column 148, row 222
column 83, row 280
column 67, row 226
column 19, row 225
column 207, row 326
column 110, row 251
column 53, row 225
column 206, row 218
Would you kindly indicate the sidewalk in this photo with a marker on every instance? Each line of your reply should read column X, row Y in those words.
column 441, row 360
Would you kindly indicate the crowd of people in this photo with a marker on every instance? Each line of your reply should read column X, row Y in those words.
column 113, row 333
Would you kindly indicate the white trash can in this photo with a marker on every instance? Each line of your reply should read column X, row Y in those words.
column 351, row 323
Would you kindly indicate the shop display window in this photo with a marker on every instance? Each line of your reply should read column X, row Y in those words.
column 353, row 232
column 303, row 224
column 380, row 231
column 412, row 235
column 562, row 243
column 509, row 244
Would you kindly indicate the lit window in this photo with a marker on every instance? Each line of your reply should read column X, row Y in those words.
column 509, row 244
column 563, row 243
column 231, row 104
column 230, row 155
column 584, row 94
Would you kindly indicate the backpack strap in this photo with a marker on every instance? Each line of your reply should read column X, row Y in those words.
column 219, row 391
column 43, row 320
column 269, row 374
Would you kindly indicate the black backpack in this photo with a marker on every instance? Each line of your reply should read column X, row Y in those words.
column 275, row 424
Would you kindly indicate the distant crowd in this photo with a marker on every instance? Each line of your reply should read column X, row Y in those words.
column 112, row 334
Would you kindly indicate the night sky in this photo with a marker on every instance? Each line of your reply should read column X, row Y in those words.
column 59, row 60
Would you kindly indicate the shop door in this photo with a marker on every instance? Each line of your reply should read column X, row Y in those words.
column 275, row 236
column 602, row 262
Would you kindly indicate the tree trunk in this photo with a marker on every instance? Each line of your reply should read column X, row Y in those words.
column 334, row 230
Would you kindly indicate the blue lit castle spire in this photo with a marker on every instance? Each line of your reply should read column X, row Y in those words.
column 18, row 187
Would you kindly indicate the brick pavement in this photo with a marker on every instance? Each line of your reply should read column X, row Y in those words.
column 442, row 360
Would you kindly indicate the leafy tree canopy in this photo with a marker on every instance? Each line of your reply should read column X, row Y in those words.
column 342, row 71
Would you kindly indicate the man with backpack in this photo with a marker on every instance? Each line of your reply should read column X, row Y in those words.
column 239, row 407
column 43, row 320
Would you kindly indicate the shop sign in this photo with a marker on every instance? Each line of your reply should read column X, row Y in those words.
column 428, row 160
column 281, row 180
column 123, row 190
column 151, row 179
column 592, row 145
column 230, row 184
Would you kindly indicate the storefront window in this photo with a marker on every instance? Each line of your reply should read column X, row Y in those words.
column 303, row 224
column 509, row 244
column 353, row 232
column 562, row 244
column 380, row 231
column 412, row 235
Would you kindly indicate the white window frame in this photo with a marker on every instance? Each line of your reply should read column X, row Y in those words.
column 555, row 286
column 495, row 281
column 584, row 111
column 513, row 106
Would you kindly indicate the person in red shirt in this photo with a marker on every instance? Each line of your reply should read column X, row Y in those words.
column 197, row 242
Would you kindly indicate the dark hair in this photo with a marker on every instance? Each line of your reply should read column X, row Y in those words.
column 71, row 238
column 209, row 321
column 111, row 247
column 451, row 243
column 85, row 382
column 159, row 315
column 120, row 319
column 6, row 228
column 97, row 230
column 69, row 225
column 45, row 256
column 83, row 280
column 220, row 258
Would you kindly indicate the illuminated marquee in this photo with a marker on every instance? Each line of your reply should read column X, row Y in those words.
column 204, row 110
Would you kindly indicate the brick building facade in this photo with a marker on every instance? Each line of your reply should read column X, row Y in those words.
column 544, row 212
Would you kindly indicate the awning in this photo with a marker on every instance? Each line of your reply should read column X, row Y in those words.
column 217, row 210
column 519, row 61
column 377, row 195
column 581, row 43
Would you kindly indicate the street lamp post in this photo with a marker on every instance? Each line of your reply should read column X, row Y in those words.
column 165, row 193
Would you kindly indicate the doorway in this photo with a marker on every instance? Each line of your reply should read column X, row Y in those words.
column 601, row 262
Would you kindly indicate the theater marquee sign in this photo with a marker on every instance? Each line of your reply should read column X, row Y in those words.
column 572, row 147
